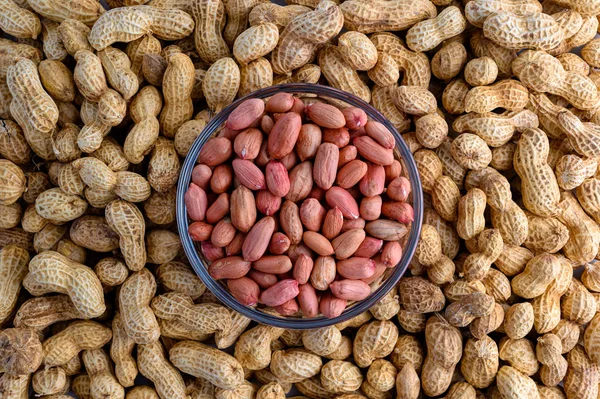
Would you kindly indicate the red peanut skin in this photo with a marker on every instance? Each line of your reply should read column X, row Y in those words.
column 200, row 231
column 369, row 247
column 264, row 280
column 373, row 151
column 301, row 182
column 380, row 268
column 267, row 203
column 318, row 243
column 196, row 202
column 355, row 117
column 340, row 137
column 356, row 268
column 229, row 267
column 331, row 306
column 279, row 243
column 210, row 252
column 298, row 106
column 302, row 268
column 370, row 208
column 399, row 189
column 350, row 224
column 308, row 300
column 245, row 114
column 401, row 211
column 290, row 160
column 221, row 179
column 323, row 272
column 326, row 159
column 391, row 254
column 258, row 238
column 277, row 178
column 308, row 141
column 223, row 233
column 351, row 173
column 201, row 175
column 287, row 309
column 249, row 174
column 312, row 214
column 280, row 102
column 266, row 124
column 235, row 246
column 263, row 155
column 347, row 154
column 332, row 225
column 216, row 151
column 392, row 171
column 228, row 133
column 380, row 134
column 373, row 183
column 351, row 290
column 317, row 193
column 274, row 264
column 296, row 250
column 219, row 209
column 280, row 293
column 325, row 115
column 247, row 143
column 284, row 134
column 245, row 290
column 337, row 196
column 290, row 214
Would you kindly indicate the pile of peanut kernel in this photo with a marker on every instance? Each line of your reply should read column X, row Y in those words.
column 497, row 99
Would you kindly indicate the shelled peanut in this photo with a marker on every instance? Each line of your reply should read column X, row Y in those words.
column 268, row 235
column 99, row 108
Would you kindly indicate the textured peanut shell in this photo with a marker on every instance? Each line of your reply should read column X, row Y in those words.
column 53, row 272
column 134, row 305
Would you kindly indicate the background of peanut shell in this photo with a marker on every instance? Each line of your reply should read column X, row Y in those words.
column 495, row 313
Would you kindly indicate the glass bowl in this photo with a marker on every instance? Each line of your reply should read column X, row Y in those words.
column 391, row 276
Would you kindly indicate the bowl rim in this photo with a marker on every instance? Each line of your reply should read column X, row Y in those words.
column 201, row 268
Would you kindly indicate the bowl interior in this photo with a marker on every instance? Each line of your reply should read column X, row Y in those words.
column 392, row 276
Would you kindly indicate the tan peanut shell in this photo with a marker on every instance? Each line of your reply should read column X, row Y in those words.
column 480, row 10
column 357, row 50
column 78, row 336
column 74, row 34
column 383, row 16
column 299, row 40
column 414, row 65
column 449, row 60
column 177, row 87
column 71, row 278
column 425, row 35
column 135, row 295
column 119, row 25
column 221, row 83
column 255, row 42
column 200, row 360
column 256, row 75
column 52, row 45
column 127, row 221
column 19, row 22
column 99, row 368
column 86, row 11
column 154, row 365
column 210, row 18
column 540, row 189
column 341, row 75
column 30, row 100
column 13, row 261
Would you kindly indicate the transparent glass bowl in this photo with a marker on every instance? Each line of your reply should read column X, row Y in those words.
column 392, row 276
